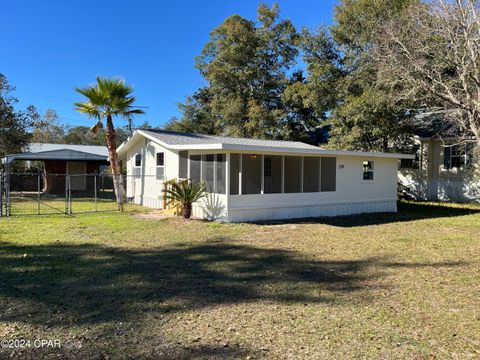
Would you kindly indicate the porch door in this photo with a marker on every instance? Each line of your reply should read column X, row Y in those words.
column 77, row 169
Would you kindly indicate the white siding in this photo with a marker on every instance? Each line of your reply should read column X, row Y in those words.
column 433, row 182
column 147, row 189
column 353, row 195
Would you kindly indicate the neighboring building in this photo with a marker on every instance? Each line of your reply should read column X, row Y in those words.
column 443, row 163
column 253, row 180
column 441, row 171
column 63, row 159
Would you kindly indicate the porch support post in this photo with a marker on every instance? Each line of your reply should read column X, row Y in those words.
column 240, row 175
column 301, row 174
column 262, row 181
column 283, row 174
column 227, row 181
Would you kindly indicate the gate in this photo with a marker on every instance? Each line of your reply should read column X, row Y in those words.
column 43, row 193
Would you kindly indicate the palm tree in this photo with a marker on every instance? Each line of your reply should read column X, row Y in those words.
column 106, row 99
column 185, row 192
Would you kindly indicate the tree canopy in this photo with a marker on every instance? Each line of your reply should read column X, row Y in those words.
column 14, row 124
column 265, row 79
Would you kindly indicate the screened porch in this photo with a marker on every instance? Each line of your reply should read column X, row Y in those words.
column 247, row 174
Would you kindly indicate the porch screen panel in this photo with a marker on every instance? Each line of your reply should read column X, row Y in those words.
column 234, row 173
column 272, row 174
column 221, row 173
column 208, row 166
column 251, row 174
column 293, row 172
column 195, row 163
column 182, row 164
column 329, row 174
column 311, row 174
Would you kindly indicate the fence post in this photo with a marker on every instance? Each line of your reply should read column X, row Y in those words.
column 7, row 194
column 70, row 211
column 95, row 187
column 66, row 194
column 38, row 193
column 1, row 193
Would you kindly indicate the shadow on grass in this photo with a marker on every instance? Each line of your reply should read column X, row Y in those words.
column 87, row 284
column 407, row 211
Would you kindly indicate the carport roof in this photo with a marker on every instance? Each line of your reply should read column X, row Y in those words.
column 42, row 152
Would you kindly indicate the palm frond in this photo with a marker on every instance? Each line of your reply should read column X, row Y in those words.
column 108, row 97
column 184, row 192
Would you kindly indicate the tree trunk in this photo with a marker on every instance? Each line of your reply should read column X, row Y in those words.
column 187, row 211
column 112, row 153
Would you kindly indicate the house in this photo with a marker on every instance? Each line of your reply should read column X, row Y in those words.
column 253, row 180
column 441, row 170
column 60, row 159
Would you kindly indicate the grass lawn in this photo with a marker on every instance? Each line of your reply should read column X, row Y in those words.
column 113, row 285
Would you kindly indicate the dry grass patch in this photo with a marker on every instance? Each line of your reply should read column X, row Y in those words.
column 373, row 286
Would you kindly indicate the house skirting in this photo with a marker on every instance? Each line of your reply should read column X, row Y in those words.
column 306, row 211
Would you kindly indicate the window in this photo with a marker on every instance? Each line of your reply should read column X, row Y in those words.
column 293, row 174
column 211, row 170
column 267, row 166
column 458, row 156
column 221, row 174
column 160, row 159
column 138, row 160
column 195, row 168
column 183, row 164
column 160, row 166
column 234, row 174
column 251, row 174
column 208, row 167
column 311, row 174
column 368, row 170
column 328, row 177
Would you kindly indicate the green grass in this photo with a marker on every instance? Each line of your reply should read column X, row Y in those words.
column 22, row 204
column 114, row 285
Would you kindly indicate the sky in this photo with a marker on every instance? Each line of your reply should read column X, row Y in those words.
column 50, row 47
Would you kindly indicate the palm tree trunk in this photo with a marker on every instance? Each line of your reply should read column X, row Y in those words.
column 112, row 153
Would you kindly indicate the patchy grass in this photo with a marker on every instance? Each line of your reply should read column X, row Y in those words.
column 385, row 286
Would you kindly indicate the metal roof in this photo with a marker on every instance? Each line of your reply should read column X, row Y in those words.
column 189, row 141
column 41, row 152
column 179, row 138
column 89, row 149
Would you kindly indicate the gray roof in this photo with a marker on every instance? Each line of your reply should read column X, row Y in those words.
column 189, row 141
column 41, row 152
column 89, row 149
column 179, row 138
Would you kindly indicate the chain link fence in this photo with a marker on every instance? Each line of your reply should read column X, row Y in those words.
column 41, row 193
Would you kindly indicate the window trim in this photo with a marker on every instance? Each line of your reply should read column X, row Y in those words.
column 159, row 166
column 367, row 171
column 135, row 160
column 465, row 157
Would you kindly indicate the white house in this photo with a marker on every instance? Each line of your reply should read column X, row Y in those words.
column 253, row 180
column 442, row 170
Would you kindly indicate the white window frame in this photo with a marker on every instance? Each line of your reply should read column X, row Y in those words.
column 465, row 156
column 135, row 160
column 159, row 166
column 372, row 170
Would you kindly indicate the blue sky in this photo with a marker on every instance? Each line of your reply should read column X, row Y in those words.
column 50, row 47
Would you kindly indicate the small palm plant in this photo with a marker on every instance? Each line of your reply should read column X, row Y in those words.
column 185, row 192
